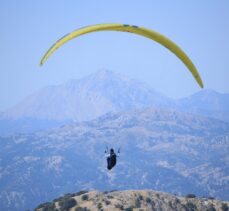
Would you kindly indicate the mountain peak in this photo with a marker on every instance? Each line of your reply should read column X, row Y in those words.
column 102, row 76
column 105, row 74
column 87, row 98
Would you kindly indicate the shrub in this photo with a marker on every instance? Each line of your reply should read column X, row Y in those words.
column 157, row 195
column 190, row 195
column 84, row 197
column 148, row 200
column 170, row 204
column 65, row 197
column 67, row 204
column 110, row 197
column 82, row 209
column 107, row 202
column 47, row 206
column 137, row 203
column 190, row 206
column 140, row 197
column 210, row 208
column 224, row 207
column 99, row 206
column 119, row 206
column 152, row 204
column 129, row 209
column 177, row 201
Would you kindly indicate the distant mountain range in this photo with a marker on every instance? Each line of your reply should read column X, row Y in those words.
column 161, row 149
column 88, row 98
column 208, row 103
column 98, row 94
column 177, row 146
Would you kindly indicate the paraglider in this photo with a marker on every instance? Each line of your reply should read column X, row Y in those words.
column 111, row 158
column 153, row 35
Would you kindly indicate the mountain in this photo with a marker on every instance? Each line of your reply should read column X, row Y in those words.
column 9, row 126
column 87, row 98
column 79, row 100
column 164, row 150
column 132, row 200
column 97, row 94
column 208, row 103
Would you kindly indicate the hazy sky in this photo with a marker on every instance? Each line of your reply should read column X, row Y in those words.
column 29, row 28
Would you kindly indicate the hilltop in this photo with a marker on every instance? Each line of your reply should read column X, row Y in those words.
column 132, row 200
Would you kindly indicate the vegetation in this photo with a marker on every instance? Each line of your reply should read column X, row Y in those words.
column 224, row 207
column 157, row 195
column 138, row 202
column 84, row 197
column 99, row 206
column 47, row 206
column 170, row 205
column 67, row 204
column 119, row 206
column 107, row 202
column 190, row 206
column 210, row 208
column 140, row 197
column 129, row 209
column 190, row 195
column 177, row 201
column 141, row 202
column 148, row 200
column 63, row 199
column 110, row 196
column 82, row 209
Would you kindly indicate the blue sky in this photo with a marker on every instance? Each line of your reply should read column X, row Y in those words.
column 29, row 28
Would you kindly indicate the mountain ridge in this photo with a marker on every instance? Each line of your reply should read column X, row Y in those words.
column 167, row 151
column 130, row 200
column 97, row 94
column 87, row 98
column 208, row 103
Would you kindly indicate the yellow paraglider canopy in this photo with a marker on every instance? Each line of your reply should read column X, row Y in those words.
column 133, row 29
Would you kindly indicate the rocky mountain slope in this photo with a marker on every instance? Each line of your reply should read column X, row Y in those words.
column 138, row 200
column 161, row 149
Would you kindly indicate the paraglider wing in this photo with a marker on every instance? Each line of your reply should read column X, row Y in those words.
column 153, row 35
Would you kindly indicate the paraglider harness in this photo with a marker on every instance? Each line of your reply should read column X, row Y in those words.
column 111, row 158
